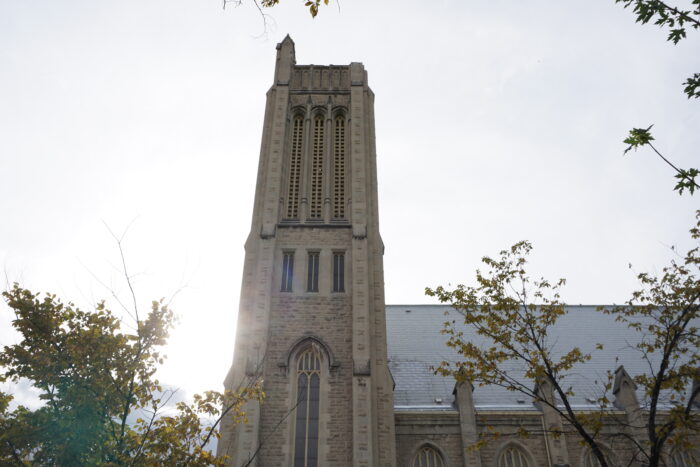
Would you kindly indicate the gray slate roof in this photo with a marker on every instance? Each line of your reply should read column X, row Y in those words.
column 415, row 345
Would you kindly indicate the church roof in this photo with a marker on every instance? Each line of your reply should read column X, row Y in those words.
column 415, row 345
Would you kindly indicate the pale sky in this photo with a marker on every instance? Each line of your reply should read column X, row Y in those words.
column 496, row 122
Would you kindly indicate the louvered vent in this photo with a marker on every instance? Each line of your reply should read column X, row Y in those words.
column 339, row 169
column 316, row 211
column 295, row 168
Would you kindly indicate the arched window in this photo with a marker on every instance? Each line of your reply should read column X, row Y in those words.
column 681, row 459
column 428, row 457
column 590, row 460
column 295, row 167
column 339, row 169
column 308, row 379
column 316, row 211
column 513, row 456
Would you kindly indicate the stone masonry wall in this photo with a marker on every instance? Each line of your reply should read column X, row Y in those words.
column 442, row 431
column 416, row 429
column 325, row 316
column 507, row 424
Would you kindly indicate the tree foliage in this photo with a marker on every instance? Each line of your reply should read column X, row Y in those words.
column 514, row 317
column 313, row 5
column 102, row 403
column 665, row 312
column 677, row 21
column 686, row 177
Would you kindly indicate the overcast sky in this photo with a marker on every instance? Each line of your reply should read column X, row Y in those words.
column 496, row 122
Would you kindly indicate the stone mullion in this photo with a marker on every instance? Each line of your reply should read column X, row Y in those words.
column 328, row 168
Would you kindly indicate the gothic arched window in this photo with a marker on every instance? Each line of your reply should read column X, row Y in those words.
column 428, row 457
column 308, row 381
column 590, row 460
column 513, row 456
column 295, row 167
column 681, row 459
column 317, row 155
column 339, row 169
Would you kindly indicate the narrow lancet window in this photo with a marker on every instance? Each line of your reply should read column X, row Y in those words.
column 316, row 211
column 295, row 168
column 312, row 277
column 339, row 169
column 307, row 409
column 338, row 271
column 287, row 271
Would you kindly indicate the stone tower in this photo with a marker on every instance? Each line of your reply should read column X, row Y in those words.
column 312, row 321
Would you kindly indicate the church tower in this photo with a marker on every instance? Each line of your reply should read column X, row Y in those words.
column 311, row 322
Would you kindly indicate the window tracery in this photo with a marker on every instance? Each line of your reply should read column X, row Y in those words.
column 427, row 456
column 681, row 459
column 513, row 456
column 308, row 380
column 590, row 460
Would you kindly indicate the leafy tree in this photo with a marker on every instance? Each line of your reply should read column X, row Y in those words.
column 102, row 404
column 514, row 315
column 676, row 20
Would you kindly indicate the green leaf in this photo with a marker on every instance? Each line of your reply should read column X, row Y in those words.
column 686, row 180
column 638, row 137
column 692, row 86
